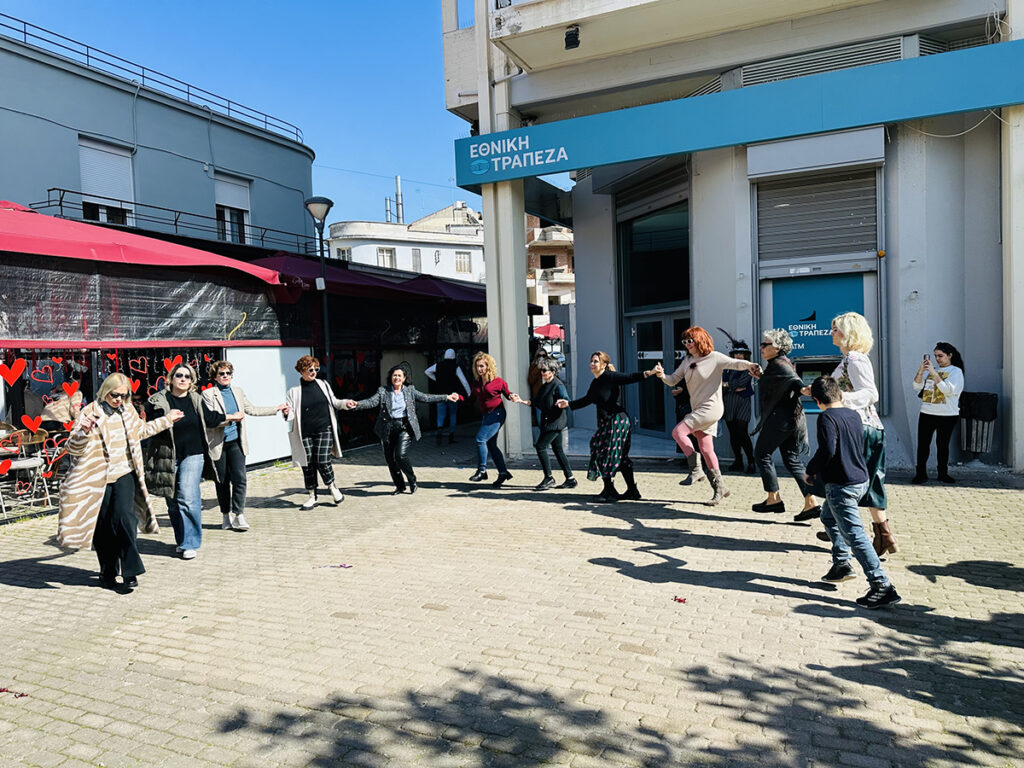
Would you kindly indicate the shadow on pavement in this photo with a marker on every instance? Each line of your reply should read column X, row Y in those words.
column 981, row 573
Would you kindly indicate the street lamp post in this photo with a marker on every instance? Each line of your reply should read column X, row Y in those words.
column 318, row 208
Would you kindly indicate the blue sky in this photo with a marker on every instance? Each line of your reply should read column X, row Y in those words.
column 363, row 79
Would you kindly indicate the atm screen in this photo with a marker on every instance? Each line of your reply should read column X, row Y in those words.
column 810, row 368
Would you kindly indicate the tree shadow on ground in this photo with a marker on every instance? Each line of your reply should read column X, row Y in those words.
column 816, row 717
column 476, row 719
column 980, row 573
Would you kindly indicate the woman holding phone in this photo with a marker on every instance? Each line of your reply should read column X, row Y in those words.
column 939, row 387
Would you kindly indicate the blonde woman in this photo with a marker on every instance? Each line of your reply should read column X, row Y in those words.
column 103, row 499
column 488, row 390
column 175, row 460
column 856, row 377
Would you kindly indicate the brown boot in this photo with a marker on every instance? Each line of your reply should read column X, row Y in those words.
column 884, row 542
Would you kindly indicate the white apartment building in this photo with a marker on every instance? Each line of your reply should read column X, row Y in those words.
column 447, row 243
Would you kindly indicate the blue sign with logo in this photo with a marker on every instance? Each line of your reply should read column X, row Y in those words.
column 805, row 306
column 891, row 92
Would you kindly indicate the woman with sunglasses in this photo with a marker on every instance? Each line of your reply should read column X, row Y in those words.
column 702, row 369
column 103, row 499
column 783, row 426
column 314, row 429
column 228, row 446
column 175, row 460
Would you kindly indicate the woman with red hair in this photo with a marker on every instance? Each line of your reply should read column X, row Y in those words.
column 702, row 369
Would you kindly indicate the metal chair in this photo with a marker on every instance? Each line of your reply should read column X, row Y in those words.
column 26, row 493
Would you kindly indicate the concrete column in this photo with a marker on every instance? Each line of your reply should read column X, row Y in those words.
column 1013, row 262
column 504, row 213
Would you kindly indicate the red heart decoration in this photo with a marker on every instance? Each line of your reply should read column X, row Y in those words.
column 32, row 425
column 206, row 357
column 138, row 364
column 194, row 363
column 112, row 355
column 135, row 385
column 5, row 465
column 169, row 364
column 12, row 374
column 57, row 360
column 208, row 386
column 43, row 375
column 71, row 388
column 52, row 443
column 68, row 425
column 11, row 444
column 46, row 399
column 47, row 475
column 21, row 487
column 155, row 386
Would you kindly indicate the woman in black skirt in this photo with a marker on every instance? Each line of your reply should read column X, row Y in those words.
column 609, row 447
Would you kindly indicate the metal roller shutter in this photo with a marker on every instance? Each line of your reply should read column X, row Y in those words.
column 817, row 216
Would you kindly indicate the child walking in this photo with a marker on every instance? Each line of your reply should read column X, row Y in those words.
column 840, row 462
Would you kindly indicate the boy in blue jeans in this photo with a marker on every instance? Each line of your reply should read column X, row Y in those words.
column 839, row 461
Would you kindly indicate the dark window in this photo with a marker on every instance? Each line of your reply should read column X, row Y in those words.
column 655, row 258
column 230, row 224
column 117, row 215
column 90, row 211
column 548, row 261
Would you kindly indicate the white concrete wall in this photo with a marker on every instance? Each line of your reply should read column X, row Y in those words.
column 597, row 295
column 943, row 262
column 720, row 245
column 365, row 252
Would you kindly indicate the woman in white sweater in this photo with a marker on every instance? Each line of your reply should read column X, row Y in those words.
column 702, row 370
column 939, row 387
column 856, row 377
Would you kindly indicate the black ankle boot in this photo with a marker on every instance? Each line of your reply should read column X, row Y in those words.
column 608, row 493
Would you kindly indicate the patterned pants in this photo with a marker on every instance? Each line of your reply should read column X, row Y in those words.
column 609, row 447
column 318, row 458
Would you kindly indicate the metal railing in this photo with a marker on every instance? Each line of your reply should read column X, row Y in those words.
column 68, row 204
column 94, row 58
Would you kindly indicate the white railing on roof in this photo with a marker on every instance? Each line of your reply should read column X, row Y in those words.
column 94, row 58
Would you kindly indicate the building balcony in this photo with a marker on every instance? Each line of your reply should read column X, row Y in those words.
column 533, row 32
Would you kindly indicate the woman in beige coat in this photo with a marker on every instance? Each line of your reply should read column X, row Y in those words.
column 103, row 499
column 314, row 429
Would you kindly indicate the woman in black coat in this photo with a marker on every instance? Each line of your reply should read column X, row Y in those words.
column 397, row 425
column 552, row 420
column 783, row 426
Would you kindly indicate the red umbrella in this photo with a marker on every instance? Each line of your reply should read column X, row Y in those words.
column 549, row 331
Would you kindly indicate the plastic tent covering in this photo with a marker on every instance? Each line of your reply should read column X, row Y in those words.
column 64, row 283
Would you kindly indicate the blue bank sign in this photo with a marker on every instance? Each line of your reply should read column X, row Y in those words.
column 945, row 83
column 805, row 306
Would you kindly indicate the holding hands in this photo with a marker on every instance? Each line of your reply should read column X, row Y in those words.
column 517, row 399
column 657, row 370
column 454, row 397
column 756, row 370
column 350, row 404
column 284, row 409
column 236, row 416
column 562, row 403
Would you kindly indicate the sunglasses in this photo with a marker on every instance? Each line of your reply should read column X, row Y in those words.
column 225, row 373
column 688, row 341
column 312, row 370
column 117, row 395
column 765, row 344
column 183, row 376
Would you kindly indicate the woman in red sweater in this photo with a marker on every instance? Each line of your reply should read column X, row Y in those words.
column 488, row 389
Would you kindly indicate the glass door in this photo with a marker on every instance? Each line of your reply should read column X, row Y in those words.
column 652, row 340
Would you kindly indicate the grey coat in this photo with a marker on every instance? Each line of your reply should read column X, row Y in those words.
column 382, row 400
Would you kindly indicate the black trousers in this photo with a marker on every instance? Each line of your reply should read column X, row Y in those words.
column 768, row 441
column 739, row 439
column 396, row 444
column 552, row 438
column 928, row 425
column 231, row 471
column 116, row 527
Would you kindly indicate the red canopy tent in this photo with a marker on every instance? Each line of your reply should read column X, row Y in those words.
column 303, row 273
column 463, row 293
column 23, row 230
column 549, row 331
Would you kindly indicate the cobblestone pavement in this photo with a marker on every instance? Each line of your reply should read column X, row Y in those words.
column 483, row 627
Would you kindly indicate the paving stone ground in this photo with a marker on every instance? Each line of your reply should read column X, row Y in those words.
column 483, row 627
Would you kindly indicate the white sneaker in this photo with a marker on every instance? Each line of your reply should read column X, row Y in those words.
column 337, row 495
column 309, row 503
column 226, row 522
column 189, row 554
column 240, row 523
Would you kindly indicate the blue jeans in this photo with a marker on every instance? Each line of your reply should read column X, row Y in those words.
column 487, row 439
column 841, row 518
column 186, row 508
column 446, row 411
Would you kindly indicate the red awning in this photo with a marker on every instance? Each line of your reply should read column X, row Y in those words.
column 303, row 273
column 465, row 293
column 23, row 230
column 549, row 331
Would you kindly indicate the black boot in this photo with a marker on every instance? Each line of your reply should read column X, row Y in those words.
column 632, row 492
column 608, row 493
